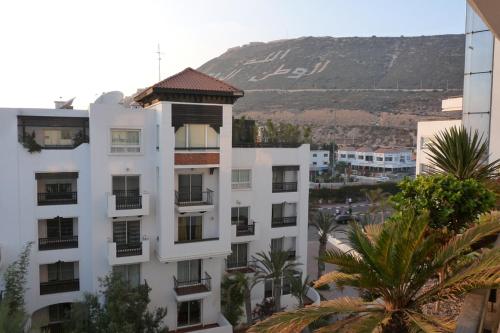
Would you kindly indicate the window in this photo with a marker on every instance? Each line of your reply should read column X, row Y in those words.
column 380, row 159
column 369, row 158
column 125, row 141
column 325, row 155
column 59, row 312
column 314, row 163
column 189, row 271
column 129, row 273
column 401, row 159
column 351, row 156
column 61, row 271
column 277, row 244
column 241, row 179
column 286, row 288
column 189, row 313
column 190, row 228
column 239, row 256
column 57, row 137
column 342, row 155
column 240, row 215
column 191, row 188
column 325, row 163
column 315, row 155
column 268, row 288
column 60, row 228
column 196, row 136
column 126, row 233
column 388, row 158
column 361, row 157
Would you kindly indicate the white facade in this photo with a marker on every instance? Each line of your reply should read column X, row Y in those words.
column 319, row 160
column 157, row 226
column 380, row 160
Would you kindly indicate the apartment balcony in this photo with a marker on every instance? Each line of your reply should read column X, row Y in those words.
column 57, row 243
column 221, row 326
column 196, row 240
column 59, row 286
column 188, row 202
column 125, row 254
column 284, row 221
column 245, row 266
column 57, row 198
column 192, row 289
column 292, row 254
column 244, row 231
column 284, row 187
column 126, row 203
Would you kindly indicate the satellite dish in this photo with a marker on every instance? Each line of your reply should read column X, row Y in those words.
column 112, row 97
column 65, row 104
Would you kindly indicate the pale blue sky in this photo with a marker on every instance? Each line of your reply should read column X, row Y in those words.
column 84, row 47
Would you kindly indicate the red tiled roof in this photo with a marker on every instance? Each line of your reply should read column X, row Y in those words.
column 190, row 79
column 364, row 150
column 347, row 148
column 390, row 150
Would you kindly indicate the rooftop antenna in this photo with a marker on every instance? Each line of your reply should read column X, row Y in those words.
column 159, row 62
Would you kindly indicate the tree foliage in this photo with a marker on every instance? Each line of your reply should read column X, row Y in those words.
column 452, row 203
column 462, row 154
column 232, row 299
column 399, row 261
column 325, row 224
column 125, row 309
column 285, row 133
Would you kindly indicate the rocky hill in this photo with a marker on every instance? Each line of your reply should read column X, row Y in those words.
column 369, row 90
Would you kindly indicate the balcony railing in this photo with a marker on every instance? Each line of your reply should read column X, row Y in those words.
column 284, row 187
column 57, row 243
column 240, row 265
column 285, row 221
column 194, row 198
column 59, row 286
column 245, row 229
column 128, row 200
column 57, row 198
column 128, row 250
column 182, row 241
column 193, row 286
column 292, row 254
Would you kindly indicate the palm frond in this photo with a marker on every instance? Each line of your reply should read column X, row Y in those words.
column 295, row 321
column 429, row 324
column 335, row 277
column 363, row 323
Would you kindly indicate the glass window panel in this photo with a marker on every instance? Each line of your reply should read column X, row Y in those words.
column 183, row 314
column 234, row 215
column 477, row 89
column 194, row 312
column 66, row 228
column 183, row 271
column 277, row 210
column 479, row 52
column 212, row 137
column 183, row 230
column 277, row 244
column 234, row 176
column 120, row 232
column 53, row 228
column 67, row 270
column 180, row 137
column 134, row 274
column 133, row 232
column 196, row 135
column 243, row 212
column 52, row 272
column 242, row 254
column 268, row 288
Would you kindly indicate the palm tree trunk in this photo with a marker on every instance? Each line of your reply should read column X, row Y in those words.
column 248, row 307
column 277, row 295
column 321, row 251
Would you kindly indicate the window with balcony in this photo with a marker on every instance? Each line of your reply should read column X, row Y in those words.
column 196, row 136
column 240, row 215
column 57, row 233
column 285, row 178
column 287, row 244
column 388, row 158
column 125, row 141
column 238, row 257
column 190, row 228
column 131, row 274
column 59, row 277
column 369, row 158
column 126, row 189
column 284, row 215
column 189, row 313
column 56, row 188
column 240, row 179
column 127, row 236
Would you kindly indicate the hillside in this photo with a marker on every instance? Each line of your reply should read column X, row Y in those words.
column 361, row 90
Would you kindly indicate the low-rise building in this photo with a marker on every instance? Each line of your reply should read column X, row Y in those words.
column 320, row 160
column 381, row 160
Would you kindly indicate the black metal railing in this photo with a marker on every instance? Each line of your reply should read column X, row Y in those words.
column 194, row 198
column 193, row 285
column 235, row 264
column 59, row 286
column 247, row 229
column 195, row 240
column 57, row 243
column 284, row 221
column 53, row 328
column 128, row 200
column 284, row 187
column 57, row 198
column 129, row 249
column 266, row 145
column 292, row 254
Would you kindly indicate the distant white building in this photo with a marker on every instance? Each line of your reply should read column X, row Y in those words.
column 320, row 160
column 380, row 160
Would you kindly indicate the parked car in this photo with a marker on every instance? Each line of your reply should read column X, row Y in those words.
column 346, row 218
column 382, row 179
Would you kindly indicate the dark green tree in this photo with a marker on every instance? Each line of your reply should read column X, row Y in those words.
column 232, row 299
column 452, row 203
column 125, row 309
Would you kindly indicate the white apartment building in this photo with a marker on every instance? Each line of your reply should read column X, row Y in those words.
column 156, row 192
column 320, row 160
column 381, row 160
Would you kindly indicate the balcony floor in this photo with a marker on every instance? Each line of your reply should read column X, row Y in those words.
column 194, row 328
column 196, row 289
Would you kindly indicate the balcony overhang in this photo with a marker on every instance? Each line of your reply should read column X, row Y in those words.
column 489, row 11
column 194, row 208
column 135, row 207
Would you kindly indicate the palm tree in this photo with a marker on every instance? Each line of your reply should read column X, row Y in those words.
column 378, row 200
column 462, row 154
column 275, row 265
column 397, row 261
column 299, row 289
column 245, row 283
column 325, row 224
